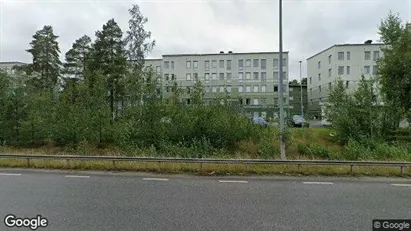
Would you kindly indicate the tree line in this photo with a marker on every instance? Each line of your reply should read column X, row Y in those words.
column 103, row 94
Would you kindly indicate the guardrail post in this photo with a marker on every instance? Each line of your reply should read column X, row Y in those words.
column 114, row 164
column 402, row 171
column 159, row 166
column 28, row 162
column 201, row 166
column 351, row 166
column 68, row 163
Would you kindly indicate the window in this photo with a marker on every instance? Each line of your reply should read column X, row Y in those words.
column 188, row 76
column 214, row 76
column 346, row 84
column 348, row 55
column 240, row 75
column 188, row 64
column 247, row 88
column 291, row 107
column 240, row 89
column 275, row 88
column 255, row 102
column 166, row 76
column 221, row 64
column 248, row 62
column 214, row 89
column 166, row 65
column 263, row 64
column 207, row 65
column 263, row 114
column 247, row 101
column 341, row 70
column 319, row 77
column 221, row 88
column 340, row 55
column 158, row 69
column 255, row 62
column 366, row 70
column 263, row 76
column 255, row 74
column 319, row 88
column 284, row 76
column 367, row 55
column 248, row 75
column 291, row 97
column 348, row 70
column 214, row 64
column 172, row 65
column 319, row 64
column 228, row 76
column 311, row 80
column 195, row 76
column 207, row 76
column 376, row 55
column 329, row 73
column 291, row 89
column 329, row 59
column 228, row 64
column 195, row 64
column 275, row 75
column 263, row 88
column 207, row 89
column 275, row 63
column 228, row 88
column 173, row 77
column 374, row 70
column 329, row 86
column 188, row 101
column 255, row 88
column 241, row 64
column 221, row 76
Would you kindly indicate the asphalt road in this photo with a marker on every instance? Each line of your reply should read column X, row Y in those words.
column 135, row 201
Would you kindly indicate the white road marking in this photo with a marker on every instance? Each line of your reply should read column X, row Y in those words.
column 233, row 181
column 10, row 174
column 76, row 176
column 318, row 183
column 156, row 179
column 401, row 185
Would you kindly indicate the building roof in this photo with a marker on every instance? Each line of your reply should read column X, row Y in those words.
column 153, row 59
column 296, row 85
column 225, row 53
column 12, row 62
column 345, row 45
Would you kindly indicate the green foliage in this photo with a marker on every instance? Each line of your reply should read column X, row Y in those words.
column 46, row 61
column 314, row 150
column 394, row 69
column 78, row 58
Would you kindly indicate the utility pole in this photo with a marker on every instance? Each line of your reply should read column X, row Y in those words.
column 281, row 99
column 301, row 99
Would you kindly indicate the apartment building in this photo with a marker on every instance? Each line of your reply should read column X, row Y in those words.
column 295, row 98
column 348, row 61
column 250, row 79
column 8, row 66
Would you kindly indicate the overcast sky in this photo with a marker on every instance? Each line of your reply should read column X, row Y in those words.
column 199, row 26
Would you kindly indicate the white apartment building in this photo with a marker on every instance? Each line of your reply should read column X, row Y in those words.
column 348, row 61
column 251, row 79
column 8, row 66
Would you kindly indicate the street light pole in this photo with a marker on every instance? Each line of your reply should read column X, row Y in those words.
column 301, row 99
column 281, row 99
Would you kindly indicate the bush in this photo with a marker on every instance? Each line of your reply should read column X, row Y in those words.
column 314, row 150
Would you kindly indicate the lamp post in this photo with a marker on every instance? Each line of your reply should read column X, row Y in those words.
column 301, row 99
column 281, row 99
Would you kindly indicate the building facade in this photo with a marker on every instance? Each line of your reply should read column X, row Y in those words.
column 295, row 99
column 8, row 66
column 249, row 79
column 347, row 61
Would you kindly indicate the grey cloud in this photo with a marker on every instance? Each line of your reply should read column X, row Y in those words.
column 309, row 26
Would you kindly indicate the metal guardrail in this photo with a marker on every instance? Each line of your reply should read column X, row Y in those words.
column 201, row 161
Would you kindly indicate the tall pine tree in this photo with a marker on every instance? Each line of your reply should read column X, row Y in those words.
column 46, row 62
column 77, row 58
column 109, row 57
